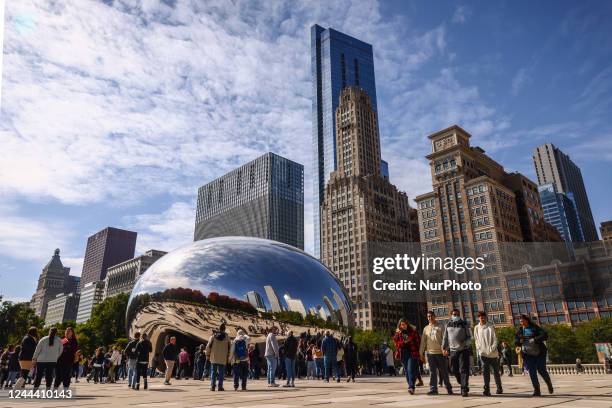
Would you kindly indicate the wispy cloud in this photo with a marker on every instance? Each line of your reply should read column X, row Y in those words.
column 520, row 79
column 461, row 14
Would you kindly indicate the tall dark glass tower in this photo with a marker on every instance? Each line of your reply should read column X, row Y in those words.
column 263, row 198
column 337, row 61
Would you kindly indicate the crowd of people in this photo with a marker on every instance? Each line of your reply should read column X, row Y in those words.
column 444, row 350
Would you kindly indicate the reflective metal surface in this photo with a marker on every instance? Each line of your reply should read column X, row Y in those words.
column 247, row 283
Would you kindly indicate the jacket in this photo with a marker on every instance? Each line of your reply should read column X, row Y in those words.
column 233, row 359
column 183, row 358
column 143, row 348
column 431, row 342
column 457, row 336
column 218, row 348
column 28, row 345
column 291, row 347
column 169, row 352
column 13, row 362
column 329, row 347
column 486, row 340
column 69, row 349
column 47, row 353
column 350, row 353
column 536, row 333
column 271, row 346
column 407, row 343
column 115, row 357
column 130, row 350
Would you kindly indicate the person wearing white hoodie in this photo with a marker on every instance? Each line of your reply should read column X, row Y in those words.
column 45, row 358
column 239, row 358
column 486, row 347
column 271, row 355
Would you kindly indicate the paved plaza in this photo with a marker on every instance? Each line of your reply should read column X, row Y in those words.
column 585, row 391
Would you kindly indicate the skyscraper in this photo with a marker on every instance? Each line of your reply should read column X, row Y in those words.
column 560, row 212
column 122, row 277
column 554, row 166
column 105, row 248
column 274, row 300
column 255, row 300
column 263, row 198
column 54, row 279
column 360, row 205
column 337, row 61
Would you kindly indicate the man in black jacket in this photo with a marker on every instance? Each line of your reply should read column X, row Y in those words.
column 143, row 348
column 291, row 347
column 170, row 354
column 130, row 353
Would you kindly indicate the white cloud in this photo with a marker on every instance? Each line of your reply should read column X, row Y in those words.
column 461, row 14
column 521, row 78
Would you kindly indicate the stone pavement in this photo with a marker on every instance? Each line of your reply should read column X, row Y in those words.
column 584, row 391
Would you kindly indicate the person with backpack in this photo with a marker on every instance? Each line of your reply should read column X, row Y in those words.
column 407, row 343
column 486, row 347
column 28, row 346
column 130, row 353
column 456, row 343
column 65, row 362
column 143, row 349
column 239, row 358
column 45, row 358
column 217, row 350
column 531, row 337
column 170, row 354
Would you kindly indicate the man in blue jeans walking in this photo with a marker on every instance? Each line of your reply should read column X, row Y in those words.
column 271, row 355
column 291, row 348
column 130, row 353
column 218, row 349
column 329, row 348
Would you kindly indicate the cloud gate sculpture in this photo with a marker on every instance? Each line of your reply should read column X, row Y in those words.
column 248, row 283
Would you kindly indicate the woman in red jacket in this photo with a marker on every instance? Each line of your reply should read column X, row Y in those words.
column 407, row 342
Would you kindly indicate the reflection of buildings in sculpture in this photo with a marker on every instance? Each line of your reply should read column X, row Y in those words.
column 255, row 300
column 564, row 292
column 274, row 300
column 295, row 305
column 333, row 313
column 321, row 312
column 341, row 308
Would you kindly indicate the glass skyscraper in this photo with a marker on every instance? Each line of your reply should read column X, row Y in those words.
column 560, row 212
column 337, row 61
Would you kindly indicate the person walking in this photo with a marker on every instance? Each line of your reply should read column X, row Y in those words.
column 184, row 363
column 97, row 365
column 143, row 349
column 456, row 343
column 350, row 358
column 311, row 366
column 115, row 361
column 291, row 349
column 130, row 353
column 317, row 356
column 407, row 344
column 65, row 362
column 45, row 358
column 431, row 349
column 239, row 358
column 531, row 337
column 170, row 354
column 218, row 349
column 388, row 360
column 254, row 361
column 506, row 358
column 272, row 354
column 28, row 346
column 13, row 367
column 4, row 363
column 200, row 362
column 486, row 347
column 329, row 348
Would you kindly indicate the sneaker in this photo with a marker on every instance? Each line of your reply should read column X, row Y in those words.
column 212, row 388
column 536, row 393
column 221, row 389
column 432, row 393
column 274, row 385
column 244, row 388
column 464, row 393
column 499, row 391
column 486, row 393
column 286, row 385
column 167, row 382
column 411, row 391
column 420, row 383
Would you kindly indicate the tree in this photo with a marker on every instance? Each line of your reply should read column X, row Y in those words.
column 594, row 331
column 106, row 325
column 561, row 344
column 15, row 320
column 367, row 339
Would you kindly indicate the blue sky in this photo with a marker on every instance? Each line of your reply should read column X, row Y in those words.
column 114, row 112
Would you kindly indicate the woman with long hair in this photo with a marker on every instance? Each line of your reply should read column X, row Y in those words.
column 28, row 345
column 45, row 358
column 65, row 362
column 530, row 338
column 407, row 343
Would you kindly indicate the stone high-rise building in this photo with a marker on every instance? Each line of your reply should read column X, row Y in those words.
column 606, row 231
column 263, row 198
column 475, row 206
column 361, row 206
column 122, row 277
column 105, row 248
column 554, row 166
column 55, row 279
column 62, row 309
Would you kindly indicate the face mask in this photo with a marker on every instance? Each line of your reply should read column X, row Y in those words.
column 455, row 318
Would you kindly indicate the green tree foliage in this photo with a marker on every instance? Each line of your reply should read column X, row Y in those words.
column 561, row 344
column 106, row 325
column 15, row 320
column 367, row 339
column 594, row 331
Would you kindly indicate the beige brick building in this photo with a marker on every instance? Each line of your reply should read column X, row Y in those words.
column 361, row 206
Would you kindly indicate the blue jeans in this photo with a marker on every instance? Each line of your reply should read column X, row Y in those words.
column 272, row 361
column 131, row 372
column 199, row 369
column 290, row 368
column 437, row 366
column 319, row 367
column 331, row 367
column 535, row 365
column 311, row 369
column 410, row 365
column 217, row 371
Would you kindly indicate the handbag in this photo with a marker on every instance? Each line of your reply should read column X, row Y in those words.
column 531, row 348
